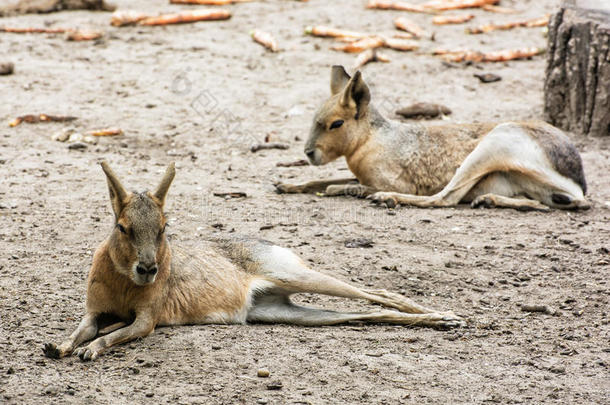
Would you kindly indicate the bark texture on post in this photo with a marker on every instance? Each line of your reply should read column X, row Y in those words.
column 10, row 7
column 577, row 83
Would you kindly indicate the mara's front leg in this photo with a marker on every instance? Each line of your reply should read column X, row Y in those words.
column 142, row 326
column 87, row 329
column 354, row 190
column 316, row 186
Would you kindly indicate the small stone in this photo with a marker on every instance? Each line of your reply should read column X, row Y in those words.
column 275, row 385
column 557, row 369
column 75, row 137
column 263, row 372
column 7, row 68
column 90, row 139
column 262, row 401
column 77, row 146
column 216, row 347
column 150, row 394
column 63, row 135
column 10, row 370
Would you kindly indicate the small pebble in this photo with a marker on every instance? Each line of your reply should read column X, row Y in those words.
column 275, row 385
column 263, row 372
column 77, row 145
column 7, row 68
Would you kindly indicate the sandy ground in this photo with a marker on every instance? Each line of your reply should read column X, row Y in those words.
column 201, row 94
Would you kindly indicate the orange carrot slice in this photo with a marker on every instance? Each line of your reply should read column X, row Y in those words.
column 324, row 31
column 368, row 56
column 537, row 22
column 265, row 39
column 30, row 30
column 188, row 17
column 497, row 56
column 360, row 45
column 409, row 26
column 442, row 5
column 452, row 19
column 83, row 35
column 397, row 5
column 106, row 132
column 400, row 44
column 208, row 2
column 127, row 17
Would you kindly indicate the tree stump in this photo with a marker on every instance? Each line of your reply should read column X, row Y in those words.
column 577, row 83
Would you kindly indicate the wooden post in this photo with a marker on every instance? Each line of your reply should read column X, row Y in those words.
column 577, row 83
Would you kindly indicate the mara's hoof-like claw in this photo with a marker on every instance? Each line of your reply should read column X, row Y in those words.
column 449, row 321
column 383, row 198
column 283, row 188
column 51, row 351
column 483, row 201
column 86, row 354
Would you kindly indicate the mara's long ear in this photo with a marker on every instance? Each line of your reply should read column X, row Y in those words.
column 163, row 187
column 118, row 195
column 357, row 95
column 338, row 79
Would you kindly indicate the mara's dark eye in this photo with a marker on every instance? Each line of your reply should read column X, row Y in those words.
column 336, row 124
column 121, row 228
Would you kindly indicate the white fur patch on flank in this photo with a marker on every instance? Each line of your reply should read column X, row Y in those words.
column 239, row 317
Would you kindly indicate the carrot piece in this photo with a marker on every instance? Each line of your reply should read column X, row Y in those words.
column 360, row 45
column 403, row 35
column 442, row 5
column 265, row 39
column 368, row 56
column 397, row 5
column 400, row 44
column 497, row 56
column 127, row 17
column 106, row 132
column 208, row 2
column 498, row 9
column 324, row 31
column 452, row 19
column 30, row 30
column 188, row 17
column 537, row 22
column 33, row 119
column 83, row 35
column 409, row 26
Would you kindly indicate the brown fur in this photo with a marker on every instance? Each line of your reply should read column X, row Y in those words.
column 137, row 278
column 416, row 161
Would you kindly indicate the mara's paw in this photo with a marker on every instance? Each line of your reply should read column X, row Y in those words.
column 87, row 353
column 483, row 201
column 51, row 351
column 448, row 320
column 452, row 320
column 283, row 188
column 380, row 198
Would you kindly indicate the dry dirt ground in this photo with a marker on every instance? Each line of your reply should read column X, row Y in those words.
column 201, row 94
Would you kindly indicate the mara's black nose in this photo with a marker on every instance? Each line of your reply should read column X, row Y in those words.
column 150, row 269
column 310, row 153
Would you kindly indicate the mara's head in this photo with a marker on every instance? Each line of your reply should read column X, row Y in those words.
column 342, row 120
column 138, row 242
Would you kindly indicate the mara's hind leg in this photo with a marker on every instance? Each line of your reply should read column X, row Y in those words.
column 279, row 309
column 508, row 148
column 495, row 201
column 290, row 274
column 317, row 186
